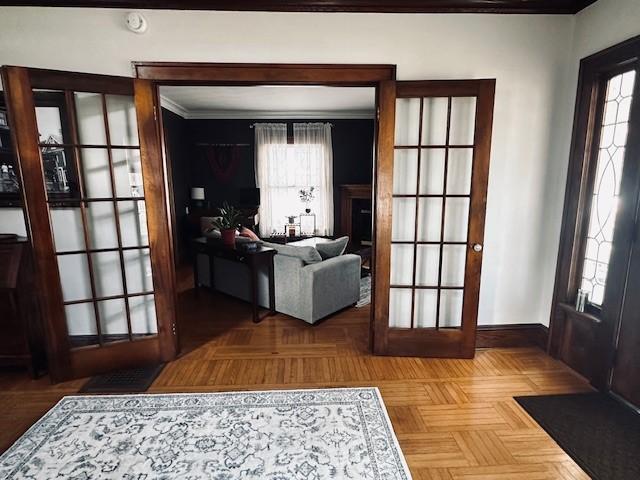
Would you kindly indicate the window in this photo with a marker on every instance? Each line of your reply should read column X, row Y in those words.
column 293, row 168
column 606, row 184
column 283, row 170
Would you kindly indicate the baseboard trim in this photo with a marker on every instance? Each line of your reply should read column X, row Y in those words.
column 512, row 335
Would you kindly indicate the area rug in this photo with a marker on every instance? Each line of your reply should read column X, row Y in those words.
column 276, row 435
column 365, row 292
column 599, row 433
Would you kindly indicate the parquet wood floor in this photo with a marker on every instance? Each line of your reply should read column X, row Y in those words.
column 455, row 419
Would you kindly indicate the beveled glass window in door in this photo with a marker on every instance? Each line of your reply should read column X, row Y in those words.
column 606, row 184
column 434, row 150
column 101, row 240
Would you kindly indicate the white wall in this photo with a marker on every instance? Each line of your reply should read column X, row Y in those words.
column 526, row 54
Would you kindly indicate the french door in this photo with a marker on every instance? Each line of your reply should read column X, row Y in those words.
column 434, row 144
column 94, row 192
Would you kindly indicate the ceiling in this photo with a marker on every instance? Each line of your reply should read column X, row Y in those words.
column 393, row 6
column 269, row 101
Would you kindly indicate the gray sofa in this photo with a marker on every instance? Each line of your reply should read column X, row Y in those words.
column 306, row 287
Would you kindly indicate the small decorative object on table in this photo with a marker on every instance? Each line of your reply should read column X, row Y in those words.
column 307, row 196
column 292, row 229
column 227, row 222
column 581, row 300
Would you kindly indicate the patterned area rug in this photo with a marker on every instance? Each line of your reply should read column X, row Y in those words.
column 365, row 292
column 277, row 435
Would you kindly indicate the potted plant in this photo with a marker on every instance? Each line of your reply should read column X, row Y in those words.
column 306, row 197
column 227, row 222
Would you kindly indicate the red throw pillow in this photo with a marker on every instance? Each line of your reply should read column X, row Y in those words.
column 245, row 232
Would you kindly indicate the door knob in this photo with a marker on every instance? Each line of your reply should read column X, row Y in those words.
column 477, row 247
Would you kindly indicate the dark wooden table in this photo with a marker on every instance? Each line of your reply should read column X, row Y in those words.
column 252, row 258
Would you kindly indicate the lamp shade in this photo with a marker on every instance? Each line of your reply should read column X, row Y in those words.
column 197, row 193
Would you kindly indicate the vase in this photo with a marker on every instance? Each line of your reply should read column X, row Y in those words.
column 228, row 236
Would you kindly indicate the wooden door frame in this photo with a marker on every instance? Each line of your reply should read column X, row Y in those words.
column 586, row 341
column 380, row 77
column 65, row 362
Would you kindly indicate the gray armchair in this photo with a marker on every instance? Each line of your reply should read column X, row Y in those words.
column 308, row 291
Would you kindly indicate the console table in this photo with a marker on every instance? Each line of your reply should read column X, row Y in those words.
column 252, row 258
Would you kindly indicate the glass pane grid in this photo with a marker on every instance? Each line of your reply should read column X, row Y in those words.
column 606, row 186
column 433, row 160
column 107, row 157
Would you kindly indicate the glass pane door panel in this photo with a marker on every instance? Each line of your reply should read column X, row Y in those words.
column 459, row 171
column 123, row 126
column 137, row 266
column 66, row 224
column 454, row 258
column 127, row 172
column 74, row 277
column 400, row 308
column 90, row 118
column 50, row 125
column 113, row 320
column 107, row 271
column 456, row 219
column 101, row 222
column 427, row 264
column 96, row 172
column 431, row 215
column 143, row 315
column 402, row 264
column 434, row 121
column 403, row 220
column 133, row 222
column 463, row 124
column 429, row 219
column 426, row 308
column 102, row 282
column 81, row 324
column 451, row 308
column 432, row 171
column 405, row 172
column 407, row 121
column 607, row 183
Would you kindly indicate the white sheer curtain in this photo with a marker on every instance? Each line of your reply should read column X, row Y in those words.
column 283, row 170
column 271, row 154
column 315, row 162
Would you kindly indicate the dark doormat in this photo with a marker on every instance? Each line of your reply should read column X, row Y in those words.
column 134, row 380
column 599, row 433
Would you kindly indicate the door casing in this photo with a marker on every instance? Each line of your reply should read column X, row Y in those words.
column 383, row 79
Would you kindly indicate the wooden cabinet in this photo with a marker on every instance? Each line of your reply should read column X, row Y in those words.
column 21, row 332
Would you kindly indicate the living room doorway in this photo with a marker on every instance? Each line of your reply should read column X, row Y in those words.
column 296, row 163
column 433, row 143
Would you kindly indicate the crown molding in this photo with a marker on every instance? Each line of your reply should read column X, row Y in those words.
column 372, row 6
column 187, row 114
column 166, row 102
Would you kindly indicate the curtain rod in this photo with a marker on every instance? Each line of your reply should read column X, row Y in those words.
column 261, row 123
column 223, row 144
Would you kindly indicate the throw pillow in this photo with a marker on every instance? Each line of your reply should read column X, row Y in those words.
column 308, row 255
column 247, row 232
column 334, row 248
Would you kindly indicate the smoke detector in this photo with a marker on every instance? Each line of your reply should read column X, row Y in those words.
column 136, row 22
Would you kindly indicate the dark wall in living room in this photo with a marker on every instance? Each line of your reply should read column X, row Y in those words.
column 179, row 150
column 352, row 156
